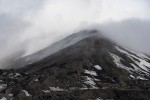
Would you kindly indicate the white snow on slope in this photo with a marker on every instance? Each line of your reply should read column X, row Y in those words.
column 138, row 77
column 98, row 67
column 90, row 81
column 137, row 69
column 138, row 54
column 10, row 95
column 142, row 63
column 132, row 76
column 46, row 91
column 93, row 73
column 3, row 98
column 56, row 89
column 118, row 63
column 141, row 78
column 96, row 79
column 99, row 98
column 15, row 76
column 36, row 80
column 26, row 93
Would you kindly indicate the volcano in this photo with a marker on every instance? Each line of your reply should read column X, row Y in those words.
column 82, row 66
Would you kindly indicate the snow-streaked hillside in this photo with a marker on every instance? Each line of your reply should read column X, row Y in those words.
column 91, row 67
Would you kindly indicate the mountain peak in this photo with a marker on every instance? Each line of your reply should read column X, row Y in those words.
column 81, row 66
column 92, row 32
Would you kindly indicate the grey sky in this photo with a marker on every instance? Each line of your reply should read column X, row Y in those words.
column 31, row 25
column 133, row 33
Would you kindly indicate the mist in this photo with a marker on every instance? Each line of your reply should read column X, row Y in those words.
column 132, row 33
column 28, row 26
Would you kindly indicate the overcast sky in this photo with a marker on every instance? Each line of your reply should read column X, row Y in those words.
column 32, row 25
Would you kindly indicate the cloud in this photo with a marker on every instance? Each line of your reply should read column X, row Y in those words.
column 59, row 18
column 14, row 20
column 31, row 25
column 132, row 33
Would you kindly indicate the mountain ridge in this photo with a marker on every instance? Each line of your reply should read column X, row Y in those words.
column 24, row 59
column 92, row 68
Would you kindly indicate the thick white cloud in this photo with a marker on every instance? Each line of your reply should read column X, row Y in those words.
column 34, row 24
column 58, row 18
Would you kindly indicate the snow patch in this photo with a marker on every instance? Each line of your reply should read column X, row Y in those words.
column 138, row 54
column 3, row 98
column 96, row 79
column 141, row 78
column 90, row 81
column 141, row 65
column 99, row 98
column 16, row 75
column 2, row 87
column 138, row 77
column 46, row 91
column 137, row 69
column 36, row 80
column 56, row 89
column 118, row 63
column 132, row 76
column 93, row 73
column 26, row 93
column 10, row 95
column 98, row 67
column 84, row 88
